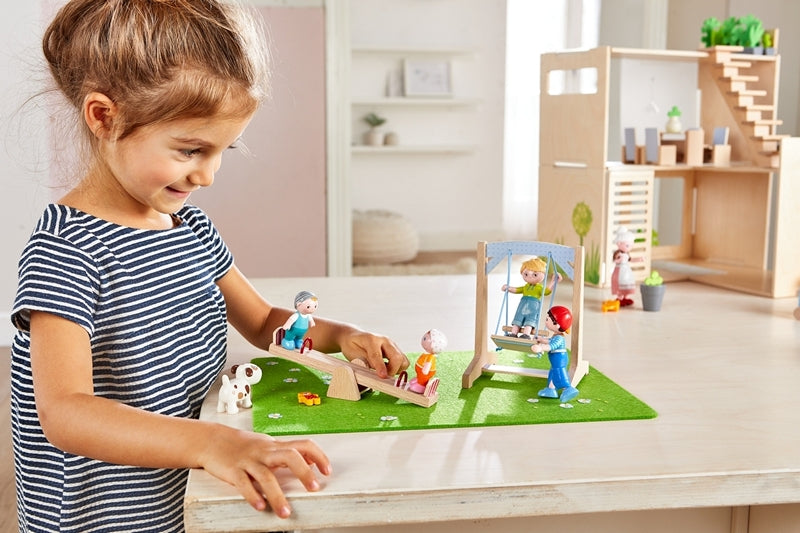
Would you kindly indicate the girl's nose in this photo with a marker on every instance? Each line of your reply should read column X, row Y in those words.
column 204, row 174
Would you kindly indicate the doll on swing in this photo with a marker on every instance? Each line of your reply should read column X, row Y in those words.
column 529, row 308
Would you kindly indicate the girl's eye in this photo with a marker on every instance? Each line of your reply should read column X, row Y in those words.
column 189, row 152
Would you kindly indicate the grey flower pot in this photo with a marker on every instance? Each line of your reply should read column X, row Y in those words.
column 652, row 296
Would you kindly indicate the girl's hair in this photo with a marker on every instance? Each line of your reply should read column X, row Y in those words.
column 158, row 60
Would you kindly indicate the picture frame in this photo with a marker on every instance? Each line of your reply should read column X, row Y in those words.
column 427, row 78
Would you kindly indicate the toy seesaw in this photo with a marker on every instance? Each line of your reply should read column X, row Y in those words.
column 348, row 376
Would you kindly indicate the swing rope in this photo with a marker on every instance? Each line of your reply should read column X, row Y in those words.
column 505, row 296
column 549, row 262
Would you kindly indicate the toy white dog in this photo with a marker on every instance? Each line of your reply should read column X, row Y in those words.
column 236, row 392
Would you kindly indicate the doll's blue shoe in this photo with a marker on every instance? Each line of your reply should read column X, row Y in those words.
column 288, row 344
column 547, row 392
column 568, row 393
column 298, row 343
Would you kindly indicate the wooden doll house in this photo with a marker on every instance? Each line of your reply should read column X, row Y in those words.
column 732, row 225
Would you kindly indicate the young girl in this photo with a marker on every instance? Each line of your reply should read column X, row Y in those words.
column 125, row 290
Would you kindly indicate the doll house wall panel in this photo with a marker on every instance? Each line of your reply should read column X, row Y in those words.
column 573, row 211
column 646, row 89
column 728, row 229
column 573, row 124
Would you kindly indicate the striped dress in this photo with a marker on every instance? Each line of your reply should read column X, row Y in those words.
column 156, row 322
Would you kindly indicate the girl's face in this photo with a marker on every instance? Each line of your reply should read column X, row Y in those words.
column 153, row 171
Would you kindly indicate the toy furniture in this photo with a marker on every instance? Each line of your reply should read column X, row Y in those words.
column 570, row 261
column 348, row 376
column 736, row 224
column 719, row 152
column 626, row 477
column 657, row 153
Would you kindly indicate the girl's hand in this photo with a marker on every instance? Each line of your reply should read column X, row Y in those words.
column 247, row 461
column 381, row 353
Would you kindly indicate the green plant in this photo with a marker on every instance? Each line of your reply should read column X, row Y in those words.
column 653, row 279
column 581, row 220
column 750, row 31
column 766, row 40
column 674, row 112
column 374, row 120
column 709, row 32
column 727, row 31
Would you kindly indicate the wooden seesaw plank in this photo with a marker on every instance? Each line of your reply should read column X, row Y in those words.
column 341, row 387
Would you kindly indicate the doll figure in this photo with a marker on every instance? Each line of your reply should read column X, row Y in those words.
column 298, row 323
column 433, row 342
column 559, row 320
column 529, row 307
column 623, row 283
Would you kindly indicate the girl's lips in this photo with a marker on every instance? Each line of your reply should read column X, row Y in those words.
column 180, row 194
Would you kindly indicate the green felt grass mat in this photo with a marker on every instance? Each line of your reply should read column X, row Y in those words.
column 494, row 400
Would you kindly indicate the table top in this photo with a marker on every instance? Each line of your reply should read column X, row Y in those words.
column 721, row 368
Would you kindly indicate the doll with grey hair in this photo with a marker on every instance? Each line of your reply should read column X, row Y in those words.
column 298, row 323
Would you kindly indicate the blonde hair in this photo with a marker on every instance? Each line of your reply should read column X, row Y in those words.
column 534, row 264
column 158, row 60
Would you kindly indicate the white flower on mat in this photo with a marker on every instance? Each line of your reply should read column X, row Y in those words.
column 584, row 400
column 290, row 380
column 533, row 400
column 294, row 370
column 388, row 418
column 275, row 415
column 566, row 406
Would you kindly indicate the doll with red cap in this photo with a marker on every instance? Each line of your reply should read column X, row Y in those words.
column 559, row 320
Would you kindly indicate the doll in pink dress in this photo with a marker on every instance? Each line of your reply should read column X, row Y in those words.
column 623, row 284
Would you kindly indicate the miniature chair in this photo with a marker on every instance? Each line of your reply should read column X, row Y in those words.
column 718, row 154
column 657, row 153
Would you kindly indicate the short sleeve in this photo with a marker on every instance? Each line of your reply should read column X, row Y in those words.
column 56, row 277
column 208, row 235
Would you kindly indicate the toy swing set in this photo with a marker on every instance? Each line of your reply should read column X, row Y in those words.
column 566, row 259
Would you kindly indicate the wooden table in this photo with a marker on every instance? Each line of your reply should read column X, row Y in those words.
column 722, row 369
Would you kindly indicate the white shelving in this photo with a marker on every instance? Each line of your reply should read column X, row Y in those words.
column 416, row 115
column 401, row 101
column 412, row 149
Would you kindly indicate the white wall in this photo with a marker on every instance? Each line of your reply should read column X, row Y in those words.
column 23, row 156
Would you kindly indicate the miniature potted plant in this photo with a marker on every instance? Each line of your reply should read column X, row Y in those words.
column 374, row 137
column 750, row 31
column 674, row 120
column 652, row 291
column 710, row 32
column 769, row 44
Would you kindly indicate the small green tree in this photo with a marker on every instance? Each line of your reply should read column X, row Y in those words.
column 581, row 220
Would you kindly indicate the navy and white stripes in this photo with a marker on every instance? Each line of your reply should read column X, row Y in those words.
column 157, row 326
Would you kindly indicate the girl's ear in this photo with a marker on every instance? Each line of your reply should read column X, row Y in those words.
column 99, row 112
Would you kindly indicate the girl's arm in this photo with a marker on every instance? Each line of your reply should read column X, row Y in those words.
column 76, row 421
column 256, row 319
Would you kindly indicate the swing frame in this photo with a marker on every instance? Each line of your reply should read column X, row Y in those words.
column 489, row 255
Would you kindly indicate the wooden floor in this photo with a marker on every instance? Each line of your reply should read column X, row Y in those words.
column 8, row 503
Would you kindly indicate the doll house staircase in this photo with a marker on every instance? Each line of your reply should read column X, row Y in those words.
column 739, row 92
